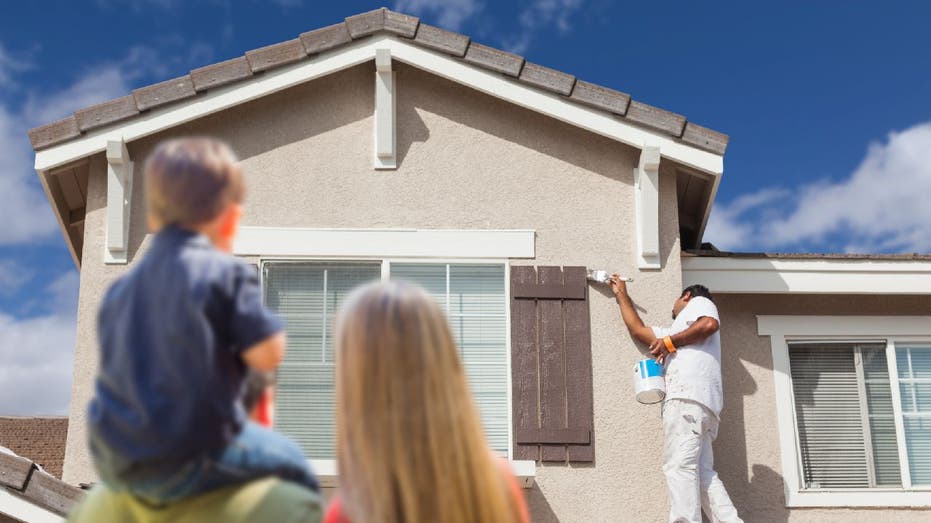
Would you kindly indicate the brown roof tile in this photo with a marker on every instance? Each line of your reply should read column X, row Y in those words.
column 656, row 118
column 220, row 74
column 54, row 133
column 600, row 97
column 325, row 38
column 704, row 138
column 106, row 113
column 365, row 24
column 546, row 78
column 272, row 56
column 494, row 59
column 442, row 40
column 164, row 93
column 401, row 24
column 39, row 439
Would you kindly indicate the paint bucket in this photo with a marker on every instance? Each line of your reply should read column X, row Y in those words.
column 649, row 385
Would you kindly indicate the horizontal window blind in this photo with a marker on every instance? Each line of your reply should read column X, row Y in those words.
column 473, row 297
column 307, row 296
column 844, row 416
column 914, row 372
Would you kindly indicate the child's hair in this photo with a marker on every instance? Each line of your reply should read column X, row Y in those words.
column 189, row 181
column 410, row 444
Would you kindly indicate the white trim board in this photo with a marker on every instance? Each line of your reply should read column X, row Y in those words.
column 362, row 51
column 783, row 328
column 327, row 472
column 384, row 243
column 18, row 508
column 805, row 276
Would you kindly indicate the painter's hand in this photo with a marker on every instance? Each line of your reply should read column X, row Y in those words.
column 618, row 286
column 659, row 351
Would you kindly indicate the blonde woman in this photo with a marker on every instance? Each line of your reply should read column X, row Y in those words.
column 409, row 442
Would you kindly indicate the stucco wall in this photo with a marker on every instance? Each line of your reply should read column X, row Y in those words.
column 747, row 451
column 466, row 161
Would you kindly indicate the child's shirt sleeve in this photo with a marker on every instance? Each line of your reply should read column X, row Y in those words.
column 250, row 321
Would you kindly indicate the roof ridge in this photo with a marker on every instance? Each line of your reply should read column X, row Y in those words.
column 362, row 25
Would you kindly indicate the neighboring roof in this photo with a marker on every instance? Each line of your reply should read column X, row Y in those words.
column 25, row 481
column 360, row 26
column 706, row 253
column 42, row 439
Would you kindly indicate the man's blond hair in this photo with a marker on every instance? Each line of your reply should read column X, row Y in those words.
column 189, row 181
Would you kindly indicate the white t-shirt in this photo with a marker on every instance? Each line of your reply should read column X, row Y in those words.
column 694, row 371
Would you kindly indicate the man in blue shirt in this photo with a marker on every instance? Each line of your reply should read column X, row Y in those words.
column 177, row 334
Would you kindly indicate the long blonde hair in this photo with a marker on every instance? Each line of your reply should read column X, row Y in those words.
column 410, row 445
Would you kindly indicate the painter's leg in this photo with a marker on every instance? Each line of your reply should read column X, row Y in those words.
column 715, row 500
column 681, row 425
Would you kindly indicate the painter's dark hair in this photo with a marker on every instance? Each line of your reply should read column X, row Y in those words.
column 697, row 290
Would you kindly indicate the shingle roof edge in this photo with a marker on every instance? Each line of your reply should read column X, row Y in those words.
column 364, row 25
column 694, row 253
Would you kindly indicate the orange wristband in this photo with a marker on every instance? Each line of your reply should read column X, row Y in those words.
column 669, row 346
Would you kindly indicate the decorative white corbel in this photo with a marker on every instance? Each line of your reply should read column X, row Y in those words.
column 119, row 199
column 386, row 142
column 646, row 201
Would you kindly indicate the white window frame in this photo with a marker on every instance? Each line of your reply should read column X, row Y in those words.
column 889, row 329
column 327, row 469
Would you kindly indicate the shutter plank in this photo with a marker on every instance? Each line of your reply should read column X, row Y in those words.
column 579, row 365
column 552, row 365
column 524, row 394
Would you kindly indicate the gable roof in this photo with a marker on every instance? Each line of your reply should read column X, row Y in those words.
column 358, row 27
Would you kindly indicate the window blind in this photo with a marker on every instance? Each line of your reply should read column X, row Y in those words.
column 914, row 372
column 473, row 297
column 844, row 416
column 306, row 296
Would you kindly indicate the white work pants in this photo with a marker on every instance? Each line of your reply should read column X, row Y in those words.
column 689, row 465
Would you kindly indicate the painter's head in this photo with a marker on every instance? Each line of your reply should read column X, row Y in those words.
column 692, row 291
column 194, row 183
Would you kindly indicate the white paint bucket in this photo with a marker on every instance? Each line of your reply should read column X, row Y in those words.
column 649, row 385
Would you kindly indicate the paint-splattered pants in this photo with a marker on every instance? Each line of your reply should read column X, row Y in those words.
column 690, row 428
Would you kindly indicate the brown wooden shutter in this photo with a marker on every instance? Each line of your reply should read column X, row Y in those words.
column 551, row 364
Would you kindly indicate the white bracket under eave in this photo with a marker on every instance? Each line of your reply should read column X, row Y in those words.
column 646, row 202
column 119, row 199
column 386, row 140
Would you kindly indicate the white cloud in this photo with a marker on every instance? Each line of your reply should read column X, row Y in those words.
column 881, row 207
column 450, row 14
column 12, row 276
column 541, row 15
column 37, row 354
column 28, row 214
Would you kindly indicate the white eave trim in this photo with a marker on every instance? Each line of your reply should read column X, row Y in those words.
column 384, row 243
column 18, row 508
column 806, row 276
column 327, row 472
column 362, row 51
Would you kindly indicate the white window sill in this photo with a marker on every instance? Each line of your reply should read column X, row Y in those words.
column 863, row 498
column 328, row 474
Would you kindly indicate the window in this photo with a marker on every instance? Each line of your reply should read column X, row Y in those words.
column 307, row 294
column 854, row 408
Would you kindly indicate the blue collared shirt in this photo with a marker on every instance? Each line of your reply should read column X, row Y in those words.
column 171, row 334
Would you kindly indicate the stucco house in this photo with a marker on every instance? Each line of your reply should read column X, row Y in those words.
column 382, row 147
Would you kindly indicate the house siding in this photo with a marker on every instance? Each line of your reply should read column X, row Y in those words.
column 466, row 161
column 747, row 448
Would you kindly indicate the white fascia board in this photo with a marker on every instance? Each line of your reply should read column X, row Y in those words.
column 362, row 51
column 825, row 276
column 22, row 510
column 327, row 472
column 843, row 326
column 715, row 183
column 384, row 243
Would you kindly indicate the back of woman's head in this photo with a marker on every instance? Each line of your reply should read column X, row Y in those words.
column 409, row 441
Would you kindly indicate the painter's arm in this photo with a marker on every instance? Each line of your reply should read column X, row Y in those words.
column 632, row 320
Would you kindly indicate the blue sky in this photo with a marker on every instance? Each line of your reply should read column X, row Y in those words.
column 827, row 105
